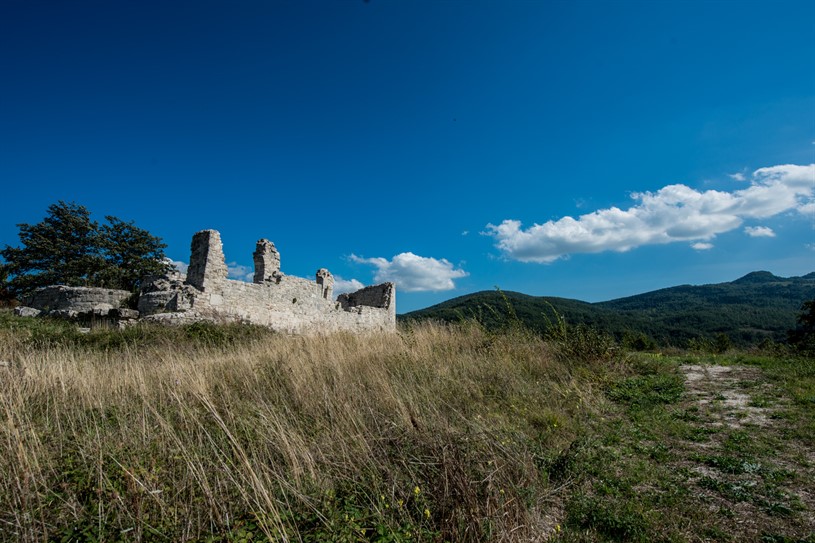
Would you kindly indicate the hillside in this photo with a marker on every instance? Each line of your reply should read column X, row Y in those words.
column 754, row 307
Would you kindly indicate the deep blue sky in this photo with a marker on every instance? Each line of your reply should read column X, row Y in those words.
column 400, row 139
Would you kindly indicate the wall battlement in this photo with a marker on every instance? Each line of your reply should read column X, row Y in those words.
column 282, row 302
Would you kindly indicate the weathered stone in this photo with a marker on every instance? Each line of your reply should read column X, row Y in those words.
column 165, row 293
column 267, row 262
column 326, row 282
column 207, row 271
column 80, row 299
column 281, row 302
column 124, row 313
column 23, row 311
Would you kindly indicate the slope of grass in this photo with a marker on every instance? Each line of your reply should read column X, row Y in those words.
column 434, row 433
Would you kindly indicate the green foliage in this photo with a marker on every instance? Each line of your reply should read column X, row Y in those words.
column 69, row 248
column 579, row 342
column 802, row 338
column 223, row 335
column 719, row 344
column 644, row 391
column 759, row 307
column 60, row 250
column 131, row 254
column 6, row 298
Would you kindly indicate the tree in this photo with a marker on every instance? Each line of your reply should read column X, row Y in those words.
column 68, row 248
column 131, row 253
column 803, row 337
column 6, row 297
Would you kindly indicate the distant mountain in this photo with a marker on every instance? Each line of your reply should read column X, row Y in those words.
column 754, row 307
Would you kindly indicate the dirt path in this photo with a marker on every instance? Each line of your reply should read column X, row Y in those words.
column 745, row 465
column 722, row 392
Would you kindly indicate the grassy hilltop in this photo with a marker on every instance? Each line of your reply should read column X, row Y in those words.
column 435, row 433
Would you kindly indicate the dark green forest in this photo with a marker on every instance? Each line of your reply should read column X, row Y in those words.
column 748, row 311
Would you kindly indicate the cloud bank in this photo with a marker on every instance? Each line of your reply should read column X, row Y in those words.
column 341, row 286
column 414, row 273
column 672, row 214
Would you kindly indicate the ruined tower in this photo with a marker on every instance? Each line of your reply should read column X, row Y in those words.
column 267, row 262
column 207, row 271
column 326, row 283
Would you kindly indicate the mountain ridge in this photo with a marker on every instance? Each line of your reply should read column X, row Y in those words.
column 750, row 309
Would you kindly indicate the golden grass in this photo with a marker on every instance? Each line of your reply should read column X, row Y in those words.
column 290, row 436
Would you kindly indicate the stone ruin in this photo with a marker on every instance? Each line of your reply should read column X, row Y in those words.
column 281, row 302
column 88, row 306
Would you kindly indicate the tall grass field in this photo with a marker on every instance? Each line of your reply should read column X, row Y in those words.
column 436, row 432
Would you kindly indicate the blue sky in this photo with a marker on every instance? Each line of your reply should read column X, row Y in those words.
column 589, row 150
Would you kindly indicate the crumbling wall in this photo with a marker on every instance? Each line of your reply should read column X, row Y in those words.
column 285, row 303
column 381, row 296
column 267, row 262
column 88, row 305
column 80, row 299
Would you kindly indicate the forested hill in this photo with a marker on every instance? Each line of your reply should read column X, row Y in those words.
column 757, row 306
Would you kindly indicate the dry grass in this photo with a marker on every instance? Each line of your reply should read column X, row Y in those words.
column 432, row 433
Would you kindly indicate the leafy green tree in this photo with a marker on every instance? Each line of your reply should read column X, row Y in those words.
column 131, row 253
column 6, row 297
column 68, row 248
column 803, row 337
column 60, row 250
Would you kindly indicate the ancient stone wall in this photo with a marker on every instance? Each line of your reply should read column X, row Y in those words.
column 285, row 303
column 282, row 302
column 90, row 306
column 80, row 299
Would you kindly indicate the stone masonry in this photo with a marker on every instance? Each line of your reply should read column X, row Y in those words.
column 86, row 305
column 285, row 303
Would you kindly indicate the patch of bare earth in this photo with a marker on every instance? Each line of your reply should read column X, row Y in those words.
column 745, row 468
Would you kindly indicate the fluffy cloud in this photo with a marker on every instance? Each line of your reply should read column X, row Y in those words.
column 341, row 286
column 240, row 272
column 673, row 213
column 414, row 273
column 759, row 232
column 702, row 246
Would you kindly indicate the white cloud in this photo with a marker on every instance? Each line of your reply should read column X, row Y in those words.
column 240, row 272
column 180, row 266
column 807, row 209
column 341, row 286
column 673, row 213
column 738, row 176
column 702, row 246
column 414, row 273
column 759, row 232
